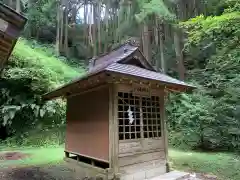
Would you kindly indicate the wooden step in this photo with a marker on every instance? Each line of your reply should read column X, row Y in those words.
column 173, row 175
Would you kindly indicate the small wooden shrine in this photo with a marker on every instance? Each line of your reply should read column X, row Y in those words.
column 115, row 117
column 11, row 25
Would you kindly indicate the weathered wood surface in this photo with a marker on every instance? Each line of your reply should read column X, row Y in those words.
column 87, row 129
column 140, row 158
column 11, row 24
column 133, row 168
column 141, row 145
column 143, row 171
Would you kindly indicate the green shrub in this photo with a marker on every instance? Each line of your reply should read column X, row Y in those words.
column 31, row 72
column 210, row 117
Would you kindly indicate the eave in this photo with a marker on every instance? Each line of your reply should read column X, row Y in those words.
column 11, row 25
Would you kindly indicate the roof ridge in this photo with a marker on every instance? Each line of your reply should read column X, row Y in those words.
column 108, row 52
column 117, row 47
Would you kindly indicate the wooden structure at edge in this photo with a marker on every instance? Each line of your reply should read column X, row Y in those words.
column 11, row 24
column 99, row 136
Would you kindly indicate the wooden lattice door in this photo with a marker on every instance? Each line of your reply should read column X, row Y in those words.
column 145, row 112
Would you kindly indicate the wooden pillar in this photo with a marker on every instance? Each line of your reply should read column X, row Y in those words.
column 164, row 129
column 113, row 131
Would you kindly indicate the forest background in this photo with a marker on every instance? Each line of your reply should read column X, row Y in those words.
column 196, row 41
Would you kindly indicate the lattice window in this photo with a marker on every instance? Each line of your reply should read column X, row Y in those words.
column 128, row 130
column 146, row 116
column 151, row 117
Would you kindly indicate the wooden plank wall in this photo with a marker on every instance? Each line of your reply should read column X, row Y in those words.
column 87, row 131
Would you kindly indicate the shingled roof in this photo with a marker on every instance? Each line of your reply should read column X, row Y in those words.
column 11, row 24
column 118, row 55
column 125, row 60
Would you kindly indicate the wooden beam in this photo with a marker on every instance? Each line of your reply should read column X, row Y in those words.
column 87, row 90
column 12, row 16
column 116, row 130
column 110, row 121
column 5, row 42
column 3, row 53
column 154, row 83
column 78, row 86
column 5, row 48
column 90, row 157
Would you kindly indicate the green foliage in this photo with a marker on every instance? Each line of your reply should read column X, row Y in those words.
column 218, row 7
column 41, row 136
column 210, row 117
column 41, row 14
column 189, row 116
column 31, row 72
column 28, row 55
column 157, row 7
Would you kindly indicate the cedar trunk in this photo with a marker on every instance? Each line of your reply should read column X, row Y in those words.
column 179, row 54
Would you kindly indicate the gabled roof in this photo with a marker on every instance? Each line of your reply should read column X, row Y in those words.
column 120, row 54
column 144, row 73
column 126, row 60
column 11, row 24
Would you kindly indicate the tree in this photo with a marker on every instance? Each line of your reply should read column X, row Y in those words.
column 18, row 6
column 10, row 3
column 66, row 8
column 161, row 14
column 58, row 39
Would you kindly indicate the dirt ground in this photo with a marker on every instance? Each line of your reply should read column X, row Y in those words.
column 12, row 156
column 58, row 171
column 53, row 172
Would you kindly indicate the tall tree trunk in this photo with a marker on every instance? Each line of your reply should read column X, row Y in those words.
column 10, row 3
column 66, row 29
column 85, row 11
column 87, row 25
column 85, row 6
column 116, row 25
column 94, row 35
column 178, row 40
column 179, row 53
column 106, row 19
column 163, row 65
column 145, row 40
column 58, row 28
column 91, row 27
column 99, row 25
column 74, row 20
column 18, row 6
column 61, row 29
column 74, row 12
column 161, row 45
column 156, row 38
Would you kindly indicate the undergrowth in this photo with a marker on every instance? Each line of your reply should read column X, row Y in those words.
column 44, row 138
column 225, row 166
column 32, row 71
